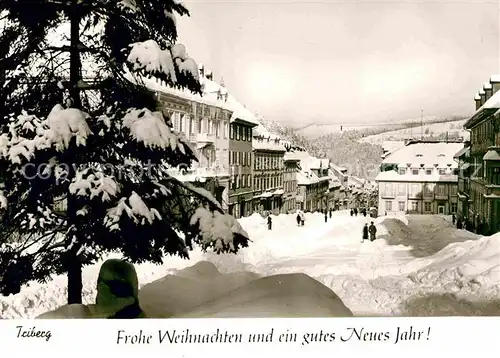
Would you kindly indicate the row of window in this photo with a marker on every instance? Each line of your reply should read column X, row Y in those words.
column 290, row 186
column 268, row 182
column 240, row 158
column 268, row 162
column 483, row 132
column 189, row 126
column 317, row 188
column 240, row 132
column 428, row 189
column 414, row 206
column 428, row 171
column 241, row 181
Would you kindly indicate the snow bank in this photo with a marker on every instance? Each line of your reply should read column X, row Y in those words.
column 371, row 278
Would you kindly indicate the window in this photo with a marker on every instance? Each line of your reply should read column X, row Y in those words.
column 442, row 171
column 414, row 171
column 453, row 208
column 414, row 205
column 191, row 126
column 249, row 180
column 401, row 205
column 402, row 171
column 453, row 189
column 388, row 205
column 238, row 181
column 217, row 129
column 415, row 189
column 238, row 132
column 401, row 189
column 243, row 181
column 427, row 207
column 224, row 126
column 441, row 189
column 231, row 134
column 427, row 190
column 428, row 171
column 241, row 132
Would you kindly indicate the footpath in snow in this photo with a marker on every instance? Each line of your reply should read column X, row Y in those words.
column 385, row 277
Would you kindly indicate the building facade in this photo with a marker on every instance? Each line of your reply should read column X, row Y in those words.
column 482, row 180
column 268, row 169
column 313, row 182
column 240, row 161
column 290, row 183
column 420, row 178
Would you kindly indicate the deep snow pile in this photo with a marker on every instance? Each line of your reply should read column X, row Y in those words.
column 371, row 278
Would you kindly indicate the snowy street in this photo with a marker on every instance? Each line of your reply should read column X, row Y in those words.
column 411, row 269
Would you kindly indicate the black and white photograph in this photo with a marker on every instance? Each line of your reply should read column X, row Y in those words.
column 249, row 159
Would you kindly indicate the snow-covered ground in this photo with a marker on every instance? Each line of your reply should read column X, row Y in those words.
column 371, row 278
column 454, row 128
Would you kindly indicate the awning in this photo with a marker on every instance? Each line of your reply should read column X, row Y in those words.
column 491, row 155
column 461, row 152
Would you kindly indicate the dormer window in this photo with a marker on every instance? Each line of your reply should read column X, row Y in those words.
column 402, row 171
column 414, row 171
column 428, row 171
column 442, row 171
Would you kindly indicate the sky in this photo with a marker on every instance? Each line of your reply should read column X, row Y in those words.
column 354, row 62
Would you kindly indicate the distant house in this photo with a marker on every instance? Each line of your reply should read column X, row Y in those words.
column 313, row 182
column 420, row 178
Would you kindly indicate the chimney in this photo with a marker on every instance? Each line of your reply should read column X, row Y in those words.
column 495, row 84
column 482, row 94
column 487, row 90
column 477, row 99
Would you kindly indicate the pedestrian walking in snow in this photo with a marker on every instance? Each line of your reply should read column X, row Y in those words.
column 459, row 224
column 364, row 213
column 269, row 223
column 326, row 217
column 453, row 219
column 355, row 211
column 298, row 220
column 302, row 218
column 330, row 213
column 352, row 212
column 373, row 231
column 365, row 233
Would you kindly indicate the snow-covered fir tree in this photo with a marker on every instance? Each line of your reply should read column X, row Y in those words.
column 84, row 145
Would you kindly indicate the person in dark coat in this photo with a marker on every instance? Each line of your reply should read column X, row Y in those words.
column 326, row 216
column 365, row 233
column 355, row 211
column 453, row 219
column 330, row 213
column 459, row 224
column 373, row 231
column 364, row 213
column 352, row 212
column 269, row 223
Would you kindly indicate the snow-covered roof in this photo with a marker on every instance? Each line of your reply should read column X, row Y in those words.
column 487, row 86
column 477, row 97
column 308, row 177
column 292, row 156
column 428, row 154
column 338, row 168
column 213, row 94
column 393, row 176
column 260, row 143
column 495, row 79
column 461, row 152
column 392, row 145
column 492, row 155
column 481, row 92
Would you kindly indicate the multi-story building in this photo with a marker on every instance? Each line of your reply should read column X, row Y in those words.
column 420, row 178
column 240, row 161
column 484, row 158
column 462, row 157
column 268, row 170
column 313, row 182
column 291, row 164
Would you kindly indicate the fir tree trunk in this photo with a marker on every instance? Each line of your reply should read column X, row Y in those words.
column 75, row 282
column 73, row 263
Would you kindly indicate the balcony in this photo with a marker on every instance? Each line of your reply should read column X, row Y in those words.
column 202, row 138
